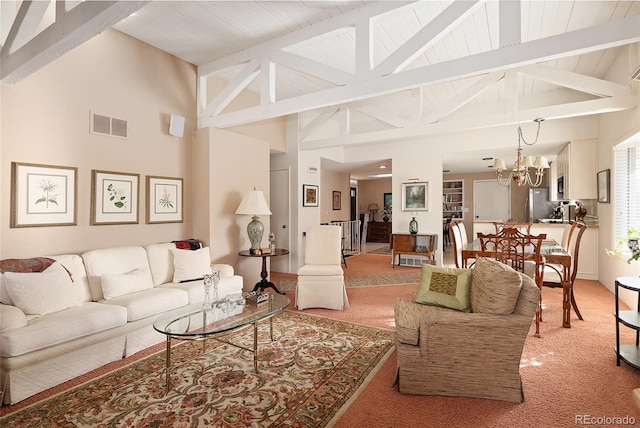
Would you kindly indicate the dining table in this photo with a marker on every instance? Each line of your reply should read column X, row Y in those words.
column 552, row 252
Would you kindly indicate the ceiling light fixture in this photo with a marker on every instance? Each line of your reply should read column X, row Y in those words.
column 520, row 173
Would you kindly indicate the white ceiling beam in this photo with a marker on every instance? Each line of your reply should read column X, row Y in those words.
column 576, row 109
column 575, row 81
column 603, row 36
column 75, row 27
column 451, row 17
column 347, row 19
column 311, row 67
column 382, row 114
column 344, row 116
column 268, row 82
column 233, row 88
column 511, row 91
column 509, row 23
column 417, row 105
column 465, row 96
column 26, row 24
column 364, row 48
column 319, row 120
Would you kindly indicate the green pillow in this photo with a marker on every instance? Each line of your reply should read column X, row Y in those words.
column 445, row 287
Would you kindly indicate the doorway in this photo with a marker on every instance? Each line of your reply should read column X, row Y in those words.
column 280, row 217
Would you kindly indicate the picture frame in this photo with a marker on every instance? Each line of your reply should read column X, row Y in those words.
column 337, row 200
column 164, row 199
column 43, row 195
column 310, row 195
column 388, row 202
column 603, row 180
column 114, row 197
column 415, row 196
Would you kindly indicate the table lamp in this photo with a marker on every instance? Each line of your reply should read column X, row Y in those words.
column 254, row 204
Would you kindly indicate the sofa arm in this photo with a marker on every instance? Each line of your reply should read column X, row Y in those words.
column 12, row 318
column 472, row 338
column 225, row 270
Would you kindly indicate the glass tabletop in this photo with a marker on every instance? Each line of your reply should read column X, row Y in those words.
column 192, row 322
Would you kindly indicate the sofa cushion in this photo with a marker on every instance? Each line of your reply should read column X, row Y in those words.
column 189, row 265
column 118, row 284
column 112, row 260
column 146, row 303
column 42, row 293
column 11, row 318
column 445, row 287
column 33, row 264
column 321, row 270
column 495, row 287
column 195, row 289
column 61, row 327
column 74, row 264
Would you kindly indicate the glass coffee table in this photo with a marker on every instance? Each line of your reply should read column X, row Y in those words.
column 192, row 323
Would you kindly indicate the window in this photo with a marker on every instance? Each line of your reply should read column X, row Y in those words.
column 626, row 189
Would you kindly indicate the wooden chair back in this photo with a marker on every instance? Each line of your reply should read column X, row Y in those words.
column 512, row 223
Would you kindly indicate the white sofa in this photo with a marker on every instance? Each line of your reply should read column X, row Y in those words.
column 118, row 294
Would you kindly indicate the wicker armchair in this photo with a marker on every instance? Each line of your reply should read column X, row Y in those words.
column 470, row 354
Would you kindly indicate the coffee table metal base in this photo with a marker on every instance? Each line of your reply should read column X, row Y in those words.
column 204, row 339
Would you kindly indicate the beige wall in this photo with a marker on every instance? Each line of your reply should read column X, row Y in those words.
column 616, row 128
column 45, row 120
column 334, row 181
column 372, row 192
column 223, row 173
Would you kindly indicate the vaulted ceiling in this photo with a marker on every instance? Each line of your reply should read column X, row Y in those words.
column 362, row 71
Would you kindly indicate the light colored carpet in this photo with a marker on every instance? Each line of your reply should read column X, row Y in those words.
column 313, row 368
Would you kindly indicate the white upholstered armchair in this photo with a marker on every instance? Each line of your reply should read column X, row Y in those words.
column 321, row 279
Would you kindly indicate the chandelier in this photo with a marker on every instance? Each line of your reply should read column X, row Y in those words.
column 526, row 167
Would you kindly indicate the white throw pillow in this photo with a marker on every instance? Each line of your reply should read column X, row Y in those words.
column 41, row 293
column 190, row 265
column 119, row 284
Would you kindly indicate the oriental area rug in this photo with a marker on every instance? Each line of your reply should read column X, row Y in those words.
column 308, row 376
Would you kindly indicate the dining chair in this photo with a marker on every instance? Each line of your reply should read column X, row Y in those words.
column 512, row 223
column 556, row 272
column 454, row 231
column 520, row 251
column 446, row 236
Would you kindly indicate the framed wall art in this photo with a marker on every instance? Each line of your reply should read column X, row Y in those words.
column 603, row 178
column 43, row 195
column 114, row 197
column 310, row 195
column 164, row 200
column 337, row 200
column 415, row 196
column 388, row 202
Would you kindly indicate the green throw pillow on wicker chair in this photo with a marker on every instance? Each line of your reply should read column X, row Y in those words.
column 445, row 287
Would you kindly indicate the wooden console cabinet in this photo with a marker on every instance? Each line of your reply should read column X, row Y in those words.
column 418, row 245
column 379, row 231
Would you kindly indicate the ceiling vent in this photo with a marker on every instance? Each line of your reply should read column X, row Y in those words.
column 106, row 125
column 636, row 75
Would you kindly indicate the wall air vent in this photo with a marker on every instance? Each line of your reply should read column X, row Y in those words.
column 412, row 260
column 106, row 125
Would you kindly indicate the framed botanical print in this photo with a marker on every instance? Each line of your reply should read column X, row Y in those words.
column 43, row 195
column 310, row 195
column 337, row 200
column 114, row 197
column 415, row 196
column 164, row 200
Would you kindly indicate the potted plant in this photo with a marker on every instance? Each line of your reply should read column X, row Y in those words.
column 632, row 242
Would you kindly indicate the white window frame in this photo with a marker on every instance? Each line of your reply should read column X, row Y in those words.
column 626, row 188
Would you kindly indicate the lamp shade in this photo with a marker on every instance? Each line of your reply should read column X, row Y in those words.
column 373, row 207
column 254, row 203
